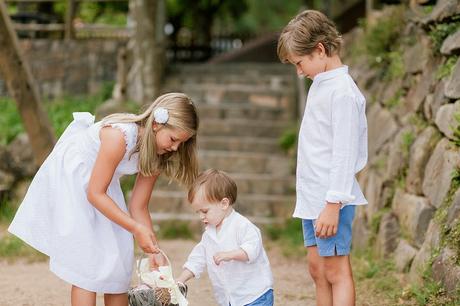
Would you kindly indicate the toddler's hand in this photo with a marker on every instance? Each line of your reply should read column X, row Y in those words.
column 221, row 256
column 328, row 221
column 145, row 239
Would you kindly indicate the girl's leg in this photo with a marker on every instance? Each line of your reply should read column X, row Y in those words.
column 317, row 272
column 116, row 299
column 339, row 275
column 82, row 297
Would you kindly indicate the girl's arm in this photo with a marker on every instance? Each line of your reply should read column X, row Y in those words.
column 140, row 196
column 111, row 152
column 139, row 210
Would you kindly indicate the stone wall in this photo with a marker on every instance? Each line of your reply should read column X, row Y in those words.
column 76, row 67
column 412, row 179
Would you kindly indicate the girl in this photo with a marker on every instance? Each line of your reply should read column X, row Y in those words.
column 74, row 210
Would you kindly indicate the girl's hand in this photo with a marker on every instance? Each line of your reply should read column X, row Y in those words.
column 145, row 238
column 157, row 260
column 328, row 221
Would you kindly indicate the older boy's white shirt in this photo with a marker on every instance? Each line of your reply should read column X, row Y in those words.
column 332, row 145
column 234, row 282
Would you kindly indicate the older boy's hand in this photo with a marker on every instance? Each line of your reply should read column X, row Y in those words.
column 222, row 256
column 328, row 221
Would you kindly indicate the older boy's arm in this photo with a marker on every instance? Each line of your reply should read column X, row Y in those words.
column 345, row 146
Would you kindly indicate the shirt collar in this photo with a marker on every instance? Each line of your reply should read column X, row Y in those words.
column 330, row 74
column 225, row 224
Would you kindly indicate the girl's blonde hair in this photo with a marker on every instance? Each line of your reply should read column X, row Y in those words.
column 303, row 34
column 181, row 165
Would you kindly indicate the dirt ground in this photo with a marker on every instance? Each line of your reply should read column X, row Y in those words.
column 27, row 284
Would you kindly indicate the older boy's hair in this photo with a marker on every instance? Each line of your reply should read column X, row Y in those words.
column 303, row 33
column 217, row 185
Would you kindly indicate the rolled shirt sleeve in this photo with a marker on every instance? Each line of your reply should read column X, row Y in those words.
column 345, row 147
column 196, row 261
column 251, row 242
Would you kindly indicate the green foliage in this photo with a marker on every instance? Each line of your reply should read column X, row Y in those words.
column 59, row 111
column 396, row 100
column 288, row 139
column 381, row 38
column 396, row 68
column 456, row 129
column 175, row 230
column 407, row 141
column 289, row 235
column 439, row 32
column 10, row 121
column 446, row 69
column 267, row 15
column 7, row 211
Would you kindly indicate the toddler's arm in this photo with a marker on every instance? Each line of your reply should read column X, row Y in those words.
column 185, row 276
column 238, row 254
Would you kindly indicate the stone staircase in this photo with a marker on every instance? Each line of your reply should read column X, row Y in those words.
column 243, row 109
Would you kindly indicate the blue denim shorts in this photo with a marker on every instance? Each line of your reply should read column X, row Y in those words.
column 340, row 244
column 265, row 299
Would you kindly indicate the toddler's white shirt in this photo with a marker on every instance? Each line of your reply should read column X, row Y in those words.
column 332, row 145
column 235, row 282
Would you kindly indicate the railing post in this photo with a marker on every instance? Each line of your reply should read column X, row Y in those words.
column 69, row 17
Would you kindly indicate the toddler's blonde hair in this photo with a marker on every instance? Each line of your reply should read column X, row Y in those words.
column 181, row 165
column 303, row 34
column 217, row 185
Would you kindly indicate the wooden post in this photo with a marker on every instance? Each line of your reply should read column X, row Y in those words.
column 69, row 16
column 22, row 88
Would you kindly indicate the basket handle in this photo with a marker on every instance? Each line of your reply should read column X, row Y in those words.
column 140, row 259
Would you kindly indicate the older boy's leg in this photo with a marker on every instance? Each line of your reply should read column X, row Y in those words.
column 339, row 275
column 316, row 268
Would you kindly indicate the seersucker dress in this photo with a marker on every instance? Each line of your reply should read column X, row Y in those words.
column 86, row 249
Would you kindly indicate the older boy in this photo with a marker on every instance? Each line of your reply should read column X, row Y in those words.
column 332, row 148
column 231, row 247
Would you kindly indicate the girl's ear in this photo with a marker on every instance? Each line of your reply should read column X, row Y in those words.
column 321, row 49
column 225, row 203
column 156, row 126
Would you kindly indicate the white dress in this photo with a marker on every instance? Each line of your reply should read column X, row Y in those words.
column 86, row 249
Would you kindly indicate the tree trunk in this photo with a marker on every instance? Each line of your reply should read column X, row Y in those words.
column 22, row 88
column 148, row 47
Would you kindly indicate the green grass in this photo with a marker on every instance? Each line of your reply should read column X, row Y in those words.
column 289, row 236
column 175, row 230
column 12, row 247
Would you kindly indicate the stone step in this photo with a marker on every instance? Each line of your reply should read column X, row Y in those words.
column 241, row 111
column 242, row 144
column 246, row 162
column 243, row 127
column 254, row 205
column 246, row 183
column 194, row 223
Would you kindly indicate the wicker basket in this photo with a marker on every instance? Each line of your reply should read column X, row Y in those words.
column 150, row 295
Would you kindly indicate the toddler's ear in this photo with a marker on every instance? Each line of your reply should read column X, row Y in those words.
column 225, row 203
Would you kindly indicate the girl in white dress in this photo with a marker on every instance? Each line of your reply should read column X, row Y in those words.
column 74, row 210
